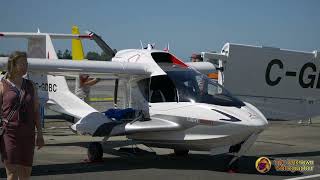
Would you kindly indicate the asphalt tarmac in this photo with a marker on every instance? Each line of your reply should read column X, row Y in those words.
column 64, row 154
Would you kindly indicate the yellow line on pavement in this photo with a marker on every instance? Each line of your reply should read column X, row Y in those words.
column 96, row 99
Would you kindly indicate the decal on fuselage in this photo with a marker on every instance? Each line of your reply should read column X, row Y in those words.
column 305, row 79
column 50, row 87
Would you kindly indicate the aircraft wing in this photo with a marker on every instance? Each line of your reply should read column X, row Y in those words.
column 203, row 67
column 37, row 35
column 75, row 68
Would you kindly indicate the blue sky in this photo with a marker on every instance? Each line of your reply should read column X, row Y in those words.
column 189, row 26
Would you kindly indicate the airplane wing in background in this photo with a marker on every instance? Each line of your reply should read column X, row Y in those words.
column 37, row 35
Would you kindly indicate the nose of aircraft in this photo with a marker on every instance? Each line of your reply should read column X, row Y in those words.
column 256, row 118
column 260, row 123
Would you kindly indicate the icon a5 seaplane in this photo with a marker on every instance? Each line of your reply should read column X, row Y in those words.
column 174, row 105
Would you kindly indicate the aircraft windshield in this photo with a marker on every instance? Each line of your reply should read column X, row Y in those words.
column 193, row 86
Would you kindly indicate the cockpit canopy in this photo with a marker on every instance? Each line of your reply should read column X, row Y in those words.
column 183, row 84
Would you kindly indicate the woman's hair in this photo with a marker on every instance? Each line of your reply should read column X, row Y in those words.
column 12, row 62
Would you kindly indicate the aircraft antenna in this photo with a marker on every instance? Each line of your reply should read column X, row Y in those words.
column 167, row 48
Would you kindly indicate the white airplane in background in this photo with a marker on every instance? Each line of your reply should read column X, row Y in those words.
column 284, row 84
column 178, row 107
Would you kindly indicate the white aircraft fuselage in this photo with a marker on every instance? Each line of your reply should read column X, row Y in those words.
column 182, row 108
column 188, row 111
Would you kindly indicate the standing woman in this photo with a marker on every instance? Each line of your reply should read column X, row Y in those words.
column 19, row 139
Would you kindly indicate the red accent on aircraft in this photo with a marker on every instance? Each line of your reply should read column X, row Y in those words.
column 207, row 122
column 178, row 61
column 85, row 36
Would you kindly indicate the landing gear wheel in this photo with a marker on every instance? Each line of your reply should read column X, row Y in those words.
column 95, row 152
column 179, row 152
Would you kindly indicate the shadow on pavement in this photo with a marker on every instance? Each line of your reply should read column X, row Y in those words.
column 131, row 160
column 218, row 163
column 299, row 154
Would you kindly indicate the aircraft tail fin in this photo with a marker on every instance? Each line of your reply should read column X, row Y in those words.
column 77, row 49
column 52, row 90
column 40, row 44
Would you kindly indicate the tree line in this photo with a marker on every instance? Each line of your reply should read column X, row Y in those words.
column 91, row 55
column 66, row 54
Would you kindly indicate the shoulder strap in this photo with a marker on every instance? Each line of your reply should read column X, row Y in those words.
column 17, row 105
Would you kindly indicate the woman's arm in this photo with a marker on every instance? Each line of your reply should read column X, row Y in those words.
column 39, row 138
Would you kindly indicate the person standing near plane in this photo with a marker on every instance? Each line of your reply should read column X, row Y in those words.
column 83, row 84
column 196, row 58
column 20, row 115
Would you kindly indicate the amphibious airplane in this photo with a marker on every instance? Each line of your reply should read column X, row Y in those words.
column 171, row 105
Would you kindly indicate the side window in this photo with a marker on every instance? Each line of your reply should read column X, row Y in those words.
column 157, row 96
column 212, row 90
column 162, row 89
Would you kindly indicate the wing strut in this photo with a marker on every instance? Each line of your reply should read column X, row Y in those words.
column 102, row 44
column 115, row 98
